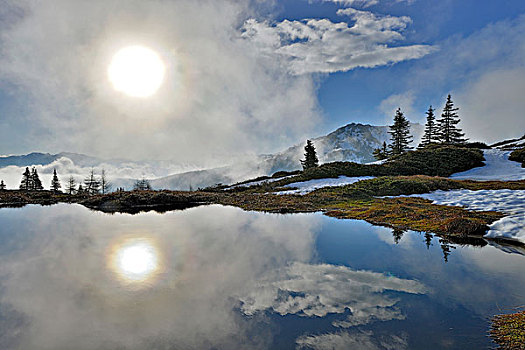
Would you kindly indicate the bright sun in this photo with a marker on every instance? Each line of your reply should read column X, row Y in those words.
column 135, row 260
column 136, row 71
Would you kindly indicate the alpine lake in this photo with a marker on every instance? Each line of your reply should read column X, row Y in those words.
column 217, row 277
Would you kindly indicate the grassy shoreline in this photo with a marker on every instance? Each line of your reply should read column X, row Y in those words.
column 356, row 201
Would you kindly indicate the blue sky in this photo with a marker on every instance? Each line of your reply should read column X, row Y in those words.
column 253, row 76
column 356, row 96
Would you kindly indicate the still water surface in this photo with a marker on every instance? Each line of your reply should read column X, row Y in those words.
column 221, row 278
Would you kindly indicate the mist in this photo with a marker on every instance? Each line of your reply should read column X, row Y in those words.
column 220, row 98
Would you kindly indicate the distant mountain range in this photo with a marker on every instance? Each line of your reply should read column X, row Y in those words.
column 352, row 142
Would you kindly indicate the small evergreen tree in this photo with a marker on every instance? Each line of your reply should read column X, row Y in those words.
column 55, row 183
column 36, row 183
column 70, row 188
column 381, row 153
column 27, row 181
column 397, row 234
column 400, row 134
column 80, row 190
column 428, row 240
column 431, row 131
column 92, row 184
column 105, row 185
column 2, row 185
column 310, row 156
column 142, row 185
column 448, row 132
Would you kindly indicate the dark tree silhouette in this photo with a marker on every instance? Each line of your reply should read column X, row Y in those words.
column 80, row 189
column 431, row 134
column 27, row 180
column 2, row 185
column 55, row 183
column 310, row 156
column 105, row 185
column 36, row 183
column 428, row 239
column 92, row 184
column 400, row 134
column 448, row 132
column 445, row 247
column 381, row 153
column 398, row 234
column 70, row 187
column 142, row 185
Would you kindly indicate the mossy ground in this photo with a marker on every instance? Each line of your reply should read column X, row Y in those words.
column 508, row 331
column 356, row 201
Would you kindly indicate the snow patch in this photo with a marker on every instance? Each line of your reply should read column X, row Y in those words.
column 497, row 167
column 506, row 201
column 305, row 187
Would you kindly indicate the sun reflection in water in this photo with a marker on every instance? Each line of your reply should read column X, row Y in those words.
column 135, row 260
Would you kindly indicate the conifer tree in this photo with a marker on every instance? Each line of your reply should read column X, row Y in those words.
column 80, row 189
column 27, row 180
column 431, row 131
column 400, row 134
column 397, row 234
column 55, row 183
column 310, row 156
column 448, row 132
column 70, row 189
column 2, row 185
column 428, row 240
column 36, row 183
column 381, row 153
column 105, row 185
column 92, row 184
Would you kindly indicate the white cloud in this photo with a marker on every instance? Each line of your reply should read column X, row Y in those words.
column 355, row 340
column 318, row 290
column 58, row 282
column 360, row 3
column 404, row 100
column 220, row 97
column 363, row 3
column 321, row 46
column 484, row 74
column 494, row 97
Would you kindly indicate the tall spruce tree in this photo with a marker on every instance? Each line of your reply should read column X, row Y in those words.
column 92, row 184
column 27, row 181
column 400, row 134
column 2, row 185
column 70, row 187
column 448, row 132
column 431, row 134
column 36, row 183
column 55, row 183
column 310, row 156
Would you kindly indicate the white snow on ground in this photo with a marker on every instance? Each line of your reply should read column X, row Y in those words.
column 497, row 167
column 312, row 185
column 510, row 202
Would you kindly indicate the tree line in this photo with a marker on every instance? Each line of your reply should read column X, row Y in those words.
column 90, row 186
column 441, row 131
column 437, row 131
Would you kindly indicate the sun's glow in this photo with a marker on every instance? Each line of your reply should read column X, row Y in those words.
column 136, row 71
column 136, row 260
